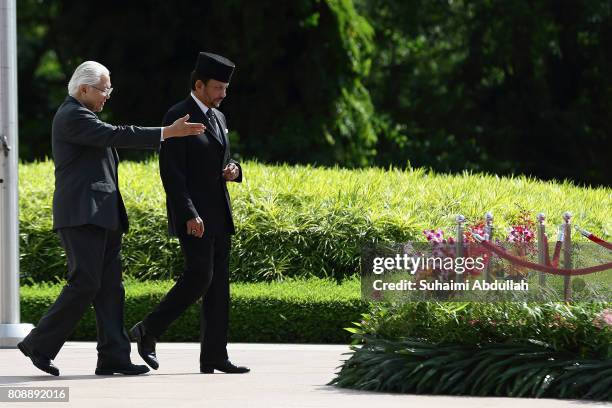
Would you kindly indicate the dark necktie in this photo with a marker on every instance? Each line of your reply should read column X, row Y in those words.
column 213, row 121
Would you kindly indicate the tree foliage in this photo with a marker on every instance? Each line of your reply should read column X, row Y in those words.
column 486, row 85
column 297, row 94
column 505, row 87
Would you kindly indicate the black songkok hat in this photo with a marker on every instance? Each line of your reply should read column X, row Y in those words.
column 214, row 66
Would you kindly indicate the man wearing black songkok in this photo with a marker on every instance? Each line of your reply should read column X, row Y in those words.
column 194, row 173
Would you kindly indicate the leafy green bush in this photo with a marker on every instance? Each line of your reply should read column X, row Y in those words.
column 514, row 369
column 301, row 221
column 313, row 311
column 499, row 349
column 564, row 326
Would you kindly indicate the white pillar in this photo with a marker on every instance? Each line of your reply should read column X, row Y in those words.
column 11, row 331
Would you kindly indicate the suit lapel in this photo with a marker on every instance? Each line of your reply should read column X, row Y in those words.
column 197, row 115
column 201, row 117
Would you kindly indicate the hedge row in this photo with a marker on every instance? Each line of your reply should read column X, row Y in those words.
column 499, row 349
column 301, row 221
column 527, row 368
column 318, row 311
column 313, row 311
column 584, row 329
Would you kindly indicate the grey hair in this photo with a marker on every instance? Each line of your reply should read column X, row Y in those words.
column 88, row 73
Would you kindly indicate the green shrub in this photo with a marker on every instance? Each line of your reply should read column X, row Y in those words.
column 564, row 326
column 513, row 369
column 313, row 311
column 499, row 349
column 301, row 221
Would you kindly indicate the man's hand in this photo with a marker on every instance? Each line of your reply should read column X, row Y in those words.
column 231, row 172
column 195, row 227
column 181, row 128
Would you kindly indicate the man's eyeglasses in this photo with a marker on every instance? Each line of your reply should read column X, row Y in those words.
column 106, row 92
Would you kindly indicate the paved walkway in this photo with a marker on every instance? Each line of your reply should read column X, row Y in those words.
column 282, row 376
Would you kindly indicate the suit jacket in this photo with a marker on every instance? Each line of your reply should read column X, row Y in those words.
column 191, row 171
column 86, row 183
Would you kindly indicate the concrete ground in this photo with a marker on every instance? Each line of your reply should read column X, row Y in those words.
column 283, row 375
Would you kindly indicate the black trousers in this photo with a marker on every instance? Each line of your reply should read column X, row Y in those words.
column 94, row 277
column 206, row 274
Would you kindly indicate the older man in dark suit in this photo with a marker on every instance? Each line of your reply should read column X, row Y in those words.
column 90, row 218
column 195, row 173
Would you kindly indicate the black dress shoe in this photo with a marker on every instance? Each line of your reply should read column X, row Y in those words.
column 225, row 366
column 125, row 369
column 146, row 345
column 41, row 362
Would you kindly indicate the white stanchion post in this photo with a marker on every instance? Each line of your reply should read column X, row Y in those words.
column 567, row 254
column 541, row 218
column 11, row 330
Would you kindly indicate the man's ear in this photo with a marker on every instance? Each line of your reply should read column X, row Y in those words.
column 199, row 84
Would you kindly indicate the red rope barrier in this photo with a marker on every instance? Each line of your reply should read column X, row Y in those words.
column 556, row 255
column 544, row 268
column 594, row 238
